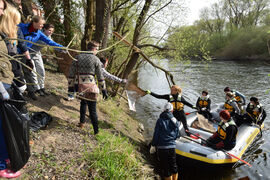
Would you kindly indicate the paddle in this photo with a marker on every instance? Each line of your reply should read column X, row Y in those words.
column 188, row 113
column 223, row 150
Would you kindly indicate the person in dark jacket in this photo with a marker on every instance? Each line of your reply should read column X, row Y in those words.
column 204, row 105
column 225, row 137
column 255, row 113
column 32, row 32
column 9, row 29
column 6, row 77
column 178, row 102
column 165, row 134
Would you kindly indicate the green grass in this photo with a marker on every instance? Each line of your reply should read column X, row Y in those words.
column 114, row 158
column 109, row 108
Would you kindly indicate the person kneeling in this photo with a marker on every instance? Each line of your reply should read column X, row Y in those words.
column 165, row 134
column 225, row 136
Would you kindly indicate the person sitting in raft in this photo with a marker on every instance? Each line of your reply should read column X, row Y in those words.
column 225, row 136
column 165, row 134
column 239, row 97
column 254, row 113
column 231, row 105
column 204, row 105
column 178, row 102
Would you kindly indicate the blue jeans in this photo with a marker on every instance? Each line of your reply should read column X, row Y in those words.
column 92, row 113
column 3, row 148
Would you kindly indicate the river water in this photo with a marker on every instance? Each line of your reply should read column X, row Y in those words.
column 248, row 77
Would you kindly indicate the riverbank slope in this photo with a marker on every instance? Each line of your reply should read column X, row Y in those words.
column 64, row 151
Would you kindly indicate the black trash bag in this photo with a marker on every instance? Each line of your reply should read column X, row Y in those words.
column 39, row 120
column 16, row 97
column 16, row 132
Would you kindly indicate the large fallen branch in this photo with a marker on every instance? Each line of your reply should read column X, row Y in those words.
column 146, row 58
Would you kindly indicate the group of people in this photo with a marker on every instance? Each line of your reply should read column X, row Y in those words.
column 232, row 115
column 21, row 67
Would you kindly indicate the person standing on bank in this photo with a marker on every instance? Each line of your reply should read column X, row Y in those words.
column 84, row 71
column 178, row 102
column 32, row 32
column 9, row 29
column 36, row 55
column 6, row 78
column 165, row 134
column 108, row 75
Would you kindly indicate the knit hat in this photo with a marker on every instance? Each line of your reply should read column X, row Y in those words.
column 225, row 114
column 227, row 89
column 168, row 107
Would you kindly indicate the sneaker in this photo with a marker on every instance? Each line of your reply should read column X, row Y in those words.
column 45, row 92
column 32, row 95
column 80, row 125
column 40, row 92
column 70, row 97
column 6, row 173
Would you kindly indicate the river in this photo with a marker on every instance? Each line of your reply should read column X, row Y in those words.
column 248, row 77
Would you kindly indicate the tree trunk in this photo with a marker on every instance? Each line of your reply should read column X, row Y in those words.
column 107, row 20
column 139, row 24
column 89, row 24
column 100, row 12
column 67, row 21
column 27, row 8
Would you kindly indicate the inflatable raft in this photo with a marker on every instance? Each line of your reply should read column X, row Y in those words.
column 191, row 152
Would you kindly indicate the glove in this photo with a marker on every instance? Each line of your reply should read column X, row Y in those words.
column 3, row 92
column 152, row 149
column 147, row 92
column 194, row 107
column 124, row 81
column 29, row 63
column 105, row 94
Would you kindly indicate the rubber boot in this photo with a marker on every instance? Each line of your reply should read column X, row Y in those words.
column 175, row 176
column 168, row 178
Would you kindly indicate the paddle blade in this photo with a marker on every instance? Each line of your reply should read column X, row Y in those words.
column 239, row 159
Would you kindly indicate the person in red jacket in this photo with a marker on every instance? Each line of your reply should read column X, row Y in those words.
column 225, row 136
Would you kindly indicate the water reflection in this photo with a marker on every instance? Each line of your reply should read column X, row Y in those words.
column 249, row 78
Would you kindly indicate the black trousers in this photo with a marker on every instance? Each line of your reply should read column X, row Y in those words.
column 92, row 113
column 167, row 159
column 181, row 116
column 17, row 71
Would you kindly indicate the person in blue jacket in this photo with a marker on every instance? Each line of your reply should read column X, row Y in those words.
column 165, row 134
column 32, row 32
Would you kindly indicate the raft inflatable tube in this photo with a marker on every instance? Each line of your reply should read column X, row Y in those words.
column 190, row 151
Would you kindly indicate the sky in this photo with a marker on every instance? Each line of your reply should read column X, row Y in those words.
column 194, row 8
